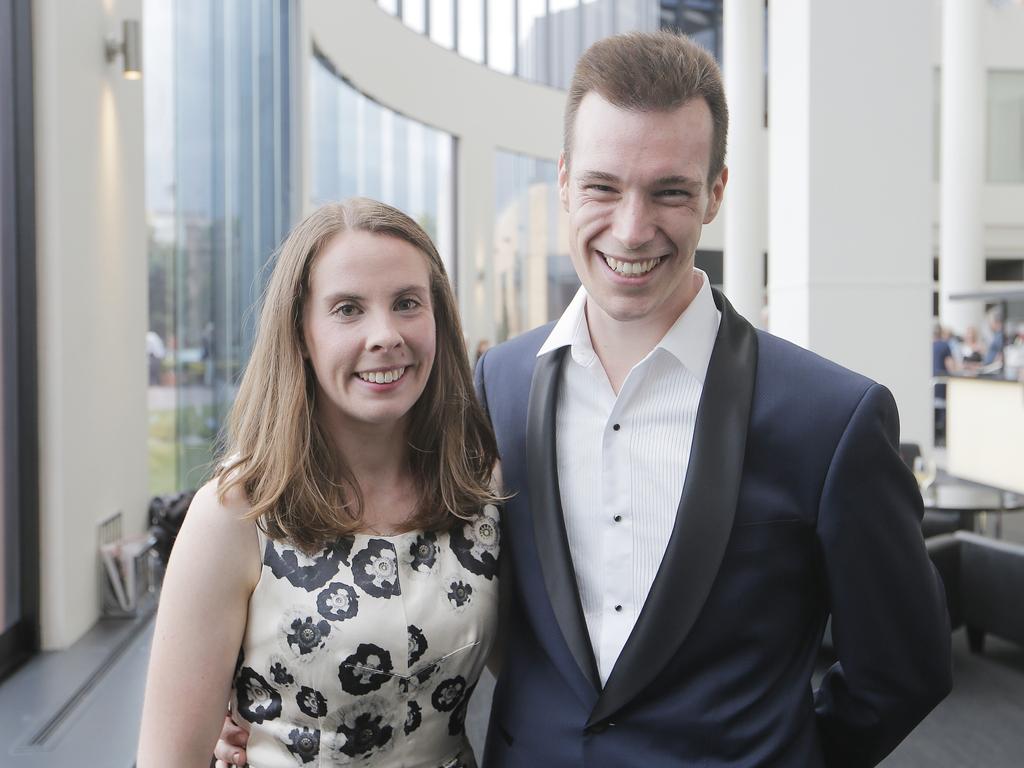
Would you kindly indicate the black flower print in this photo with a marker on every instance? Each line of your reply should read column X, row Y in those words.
column 257, row 699
column 448, row 695
column 413, row 718
column 280, row 673
column 423, row 552
column 365, row 670
column 459, row 593
column 311, row 702
column 417, row 644
column 375, row 569
column 304, row 744
column 475, row 543
column 409, row 685
column 304, row 635
column 308, row 573
column 457, row 722
column 364, row 734
column 338, row 602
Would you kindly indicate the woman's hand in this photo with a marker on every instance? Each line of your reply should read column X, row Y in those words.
column 230, row 749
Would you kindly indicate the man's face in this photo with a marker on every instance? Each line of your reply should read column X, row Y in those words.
column 637, row 196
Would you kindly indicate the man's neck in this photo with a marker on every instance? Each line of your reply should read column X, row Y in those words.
column 620, row 345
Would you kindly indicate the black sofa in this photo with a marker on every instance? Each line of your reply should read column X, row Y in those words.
column 984, row 581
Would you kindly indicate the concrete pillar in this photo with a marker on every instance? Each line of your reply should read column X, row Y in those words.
column 850, row 191
column 745, row 209
column 962, row 172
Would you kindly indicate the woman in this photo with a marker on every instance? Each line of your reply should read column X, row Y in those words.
column 348, row 545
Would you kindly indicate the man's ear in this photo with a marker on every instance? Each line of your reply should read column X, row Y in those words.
column 715, row 195
column 563, row 181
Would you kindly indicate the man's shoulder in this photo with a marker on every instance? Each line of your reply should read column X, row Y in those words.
column 804, row 370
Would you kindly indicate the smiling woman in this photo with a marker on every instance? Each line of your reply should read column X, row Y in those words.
column 355, row 488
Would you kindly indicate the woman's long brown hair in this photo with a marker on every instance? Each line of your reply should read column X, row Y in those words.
column 276, row 451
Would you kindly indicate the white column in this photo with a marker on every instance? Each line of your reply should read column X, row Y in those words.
column 745, row 210
column 850, row 190
column 961, row 227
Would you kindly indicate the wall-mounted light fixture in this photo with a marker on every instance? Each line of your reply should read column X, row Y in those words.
column 130, row 47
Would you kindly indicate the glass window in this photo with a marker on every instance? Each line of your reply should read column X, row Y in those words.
column 218, row 137
column 501, row 36
column 533, row 40
column 360, row 147
column 1006, row 127
column 19, row 513
column 565, row 22
column 414, row 14
column 442, row 23
column 700, row 19
column 598, row 21
column 534, row 279
column 471, row 29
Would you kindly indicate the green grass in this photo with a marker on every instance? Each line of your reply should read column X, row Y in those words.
column 194, row 451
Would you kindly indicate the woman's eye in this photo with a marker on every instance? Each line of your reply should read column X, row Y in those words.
column 346, row 310
column 403, row 305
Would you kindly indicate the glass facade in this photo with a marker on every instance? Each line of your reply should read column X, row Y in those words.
column 219, row 157
column 360, row 147
column 700, row 19
column 1006, row 127
column 19, row 501
column 534, row 279
column 541, row 40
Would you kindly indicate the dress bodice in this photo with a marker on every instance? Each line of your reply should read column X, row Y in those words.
column 367, row 652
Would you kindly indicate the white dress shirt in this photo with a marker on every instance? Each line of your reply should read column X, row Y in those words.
column 622, row 461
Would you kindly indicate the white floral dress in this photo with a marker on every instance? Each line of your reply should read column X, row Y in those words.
column 367, row 653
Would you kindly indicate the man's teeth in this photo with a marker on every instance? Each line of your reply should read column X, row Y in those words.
column 631, row 267
column 382, row 377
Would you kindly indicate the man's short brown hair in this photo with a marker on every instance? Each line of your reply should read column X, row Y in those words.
column 651, row 72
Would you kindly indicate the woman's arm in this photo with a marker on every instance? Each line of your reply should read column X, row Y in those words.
column 212, row 572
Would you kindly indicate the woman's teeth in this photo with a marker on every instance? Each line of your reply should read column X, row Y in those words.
column 631, row 267
column 382, row 377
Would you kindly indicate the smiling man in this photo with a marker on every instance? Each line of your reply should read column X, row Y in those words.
column 693, row 498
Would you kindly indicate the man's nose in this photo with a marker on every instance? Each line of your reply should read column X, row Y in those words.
column 633, row 225
column 383, row 334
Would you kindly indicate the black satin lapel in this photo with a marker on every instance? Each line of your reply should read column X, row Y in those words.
column 548, row 524
column 707, row 507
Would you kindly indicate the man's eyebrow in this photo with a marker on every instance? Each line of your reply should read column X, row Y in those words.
column 678, row 181
column 599, row 176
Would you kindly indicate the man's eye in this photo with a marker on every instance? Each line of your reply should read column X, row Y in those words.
column 603, row 188
column 403, row 305
column 675, row 193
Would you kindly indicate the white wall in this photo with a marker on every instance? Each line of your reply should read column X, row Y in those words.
column 850, row 177
column 92, row 276
column 1003, row 204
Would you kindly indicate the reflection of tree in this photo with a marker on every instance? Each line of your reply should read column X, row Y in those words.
column 161, row 285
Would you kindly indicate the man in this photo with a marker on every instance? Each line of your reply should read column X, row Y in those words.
column 692, row 498
column 994, row 353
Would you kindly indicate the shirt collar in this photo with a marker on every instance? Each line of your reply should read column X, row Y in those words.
column 690, row 340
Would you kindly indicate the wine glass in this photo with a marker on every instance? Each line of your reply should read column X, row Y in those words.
column 924, row 471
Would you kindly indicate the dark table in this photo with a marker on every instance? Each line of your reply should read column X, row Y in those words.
column 951, row 496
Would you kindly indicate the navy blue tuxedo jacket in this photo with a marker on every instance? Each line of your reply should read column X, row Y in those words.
column 796, row 506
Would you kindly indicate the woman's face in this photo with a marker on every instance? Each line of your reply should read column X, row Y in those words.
column 368, row 327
